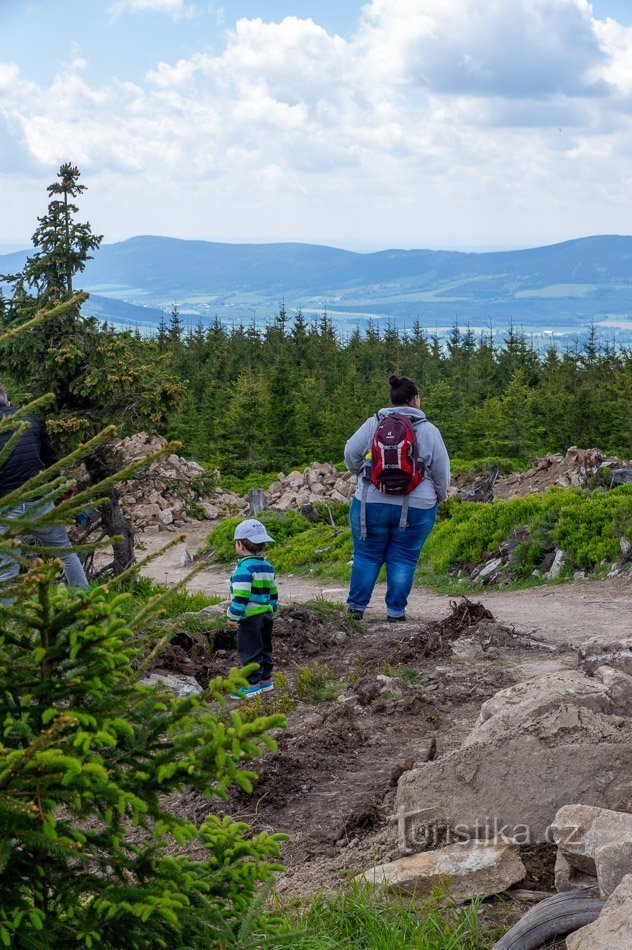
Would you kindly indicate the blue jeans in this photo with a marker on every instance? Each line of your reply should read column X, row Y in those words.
column 387, row 544
column 52, row 536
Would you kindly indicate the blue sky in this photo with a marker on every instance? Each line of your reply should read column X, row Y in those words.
column 408, row 123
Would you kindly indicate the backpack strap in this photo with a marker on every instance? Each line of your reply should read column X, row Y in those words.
column 403, row 521
column 365, row 491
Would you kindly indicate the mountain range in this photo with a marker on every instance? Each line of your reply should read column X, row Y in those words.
column 559, row 288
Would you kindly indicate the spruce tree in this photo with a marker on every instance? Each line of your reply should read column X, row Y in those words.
column 94, row 849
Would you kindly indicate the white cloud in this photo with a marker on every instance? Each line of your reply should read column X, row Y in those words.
column 450, row 116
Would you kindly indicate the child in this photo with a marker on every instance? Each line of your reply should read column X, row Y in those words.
column 254, row 598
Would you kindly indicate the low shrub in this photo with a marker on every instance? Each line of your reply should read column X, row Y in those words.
column 280, row 525
column 241, row 486
column 587, row 526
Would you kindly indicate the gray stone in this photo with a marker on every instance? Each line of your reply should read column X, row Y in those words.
column 613, row 928
column 174, row 683
column 468, row 869
column 490, row 568
column 166, row 516
column 616, row 653
column 335, row 495
column 568, row 878
column 514, row 781
column 594, row 841
column 612, row 861
column 513, row 705
column 211, row 513
column 558, row 564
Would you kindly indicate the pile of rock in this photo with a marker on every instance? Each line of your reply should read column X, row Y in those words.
column 319, row 482
column 167, row 494
column 575, row 469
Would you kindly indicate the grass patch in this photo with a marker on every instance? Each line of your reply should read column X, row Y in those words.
column 408, row 674
column 482, row 466
column 241, row 486
column 362, row 919
column 316, row 684
column 142, row 590
column 335, row 612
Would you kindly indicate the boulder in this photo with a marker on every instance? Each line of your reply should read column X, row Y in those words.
column 338, row 496
column 467, row 869
column 593, row 841
column 490, row 568
column 165, row 516
column 512, row 781
column 513, row 705
column 557, row 565
column 613, row 928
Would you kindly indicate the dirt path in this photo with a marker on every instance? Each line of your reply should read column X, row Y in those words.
column 562, row 613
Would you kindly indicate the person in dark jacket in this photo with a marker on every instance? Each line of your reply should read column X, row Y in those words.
column 31, row 455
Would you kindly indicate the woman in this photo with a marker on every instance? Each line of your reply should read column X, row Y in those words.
column 387, row 528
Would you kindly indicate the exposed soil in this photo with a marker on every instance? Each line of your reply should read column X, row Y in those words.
column 331, row 784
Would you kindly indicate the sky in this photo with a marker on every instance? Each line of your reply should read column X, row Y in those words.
column 452, row 124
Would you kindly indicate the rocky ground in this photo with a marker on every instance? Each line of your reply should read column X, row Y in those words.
column 407, row 694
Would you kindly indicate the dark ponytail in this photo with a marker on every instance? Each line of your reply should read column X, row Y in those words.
column 403, row 390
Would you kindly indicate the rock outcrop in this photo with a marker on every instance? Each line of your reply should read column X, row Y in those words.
column 537, row 747
column 166, row 495
column 594, row 847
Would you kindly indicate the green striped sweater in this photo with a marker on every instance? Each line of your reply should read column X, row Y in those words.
column 253, row 588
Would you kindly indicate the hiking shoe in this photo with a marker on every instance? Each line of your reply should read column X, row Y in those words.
column 396, row 619
column 247, row 692
column 266, row 686
column 356, row 614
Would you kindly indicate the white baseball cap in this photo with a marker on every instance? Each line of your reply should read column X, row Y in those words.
column 252, row 530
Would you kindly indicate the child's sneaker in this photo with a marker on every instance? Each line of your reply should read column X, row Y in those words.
column 266, row 686
column 247, row 692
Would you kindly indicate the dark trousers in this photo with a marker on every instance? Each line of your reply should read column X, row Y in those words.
column 254, row 645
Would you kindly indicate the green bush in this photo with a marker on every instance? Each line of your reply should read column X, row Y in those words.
column 281, row 525
column 93, row 846
column 586, row 525
column 88, row 758
column 241, row 486
column 461, row 466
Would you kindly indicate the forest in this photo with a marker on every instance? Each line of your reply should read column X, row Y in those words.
column 260, row 399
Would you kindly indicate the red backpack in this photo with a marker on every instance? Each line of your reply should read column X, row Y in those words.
column 395, row 464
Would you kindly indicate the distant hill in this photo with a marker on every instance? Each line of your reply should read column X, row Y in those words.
column 558, row 288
